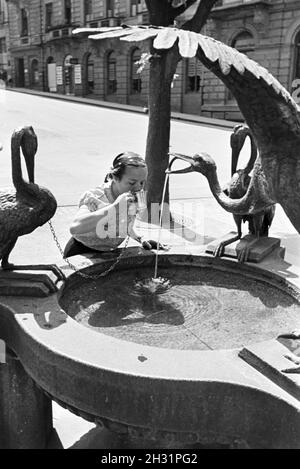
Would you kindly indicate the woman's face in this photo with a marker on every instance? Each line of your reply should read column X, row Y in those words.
column 133, row 180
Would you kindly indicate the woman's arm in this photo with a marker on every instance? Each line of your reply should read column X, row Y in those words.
column 86, row 221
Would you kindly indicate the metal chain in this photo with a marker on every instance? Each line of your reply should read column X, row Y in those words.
column 73, row 267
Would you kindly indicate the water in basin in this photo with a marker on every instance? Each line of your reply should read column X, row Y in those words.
column 200, row 308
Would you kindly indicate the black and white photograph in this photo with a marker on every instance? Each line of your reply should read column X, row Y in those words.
column 149, row 228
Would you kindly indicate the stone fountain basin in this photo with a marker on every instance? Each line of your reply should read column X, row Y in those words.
column 158, row 393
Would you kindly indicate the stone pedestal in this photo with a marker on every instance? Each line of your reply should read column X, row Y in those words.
column 25, row 411
column 260, row 248
column 29, row 283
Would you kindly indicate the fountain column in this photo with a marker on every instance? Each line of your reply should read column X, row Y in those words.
column 25, row 411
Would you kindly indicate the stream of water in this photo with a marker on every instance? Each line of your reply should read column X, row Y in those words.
column 160, row 223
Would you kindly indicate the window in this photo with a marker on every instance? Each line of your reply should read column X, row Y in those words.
column 243, row 42
column 136, row 82
column 110, row 5
column 24, row 22
column 136, row 6
column 2, row 16
column 90, row 74
column 68, row 11
column 3, row 49
column 3, row 11
column 111, row 73
column 193, row 75
column 88, row 7
column 34, row 72
column 48, row 19
column 297, row 56
column 228, row 2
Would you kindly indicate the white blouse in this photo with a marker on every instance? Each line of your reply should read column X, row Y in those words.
column 111, row 230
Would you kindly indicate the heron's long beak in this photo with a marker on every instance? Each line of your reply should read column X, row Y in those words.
column 235, row 153
column 29, row 146
column 186, row 158
column 30, row 168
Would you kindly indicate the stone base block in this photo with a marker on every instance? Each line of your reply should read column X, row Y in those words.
column 261, row 248
column 29, row 283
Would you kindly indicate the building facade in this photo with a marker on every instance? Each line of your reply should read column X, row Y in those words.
column 267, row 31
column 5, row 62
column 45, row 55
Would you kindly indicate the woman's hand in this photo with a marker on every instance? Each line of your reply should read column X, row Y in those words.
column 152, row 244
column 127, row 203
column 125, row 197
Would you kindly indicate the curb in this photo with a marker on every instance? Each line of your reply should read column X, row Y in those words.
column 184, row 118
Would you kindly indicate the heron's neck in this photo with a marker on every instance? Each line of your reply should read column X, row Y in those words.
column 236, row 153
column 253, row 201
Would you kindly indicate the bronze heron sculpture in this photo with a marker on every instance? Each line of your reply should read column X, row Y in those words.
column 204, row 164
column 28, row 205
column 274, row 120
column 258, row 223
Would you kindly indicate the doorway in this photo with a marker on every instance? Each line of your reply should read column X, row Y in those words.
column 69, row 75
column 20, row 73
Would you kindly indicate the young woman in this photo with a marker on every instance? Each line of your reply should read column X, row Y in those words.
column 107, row 213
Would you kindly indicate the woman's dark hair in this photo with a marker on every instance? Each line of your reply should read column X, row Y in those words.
column 121, row 162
